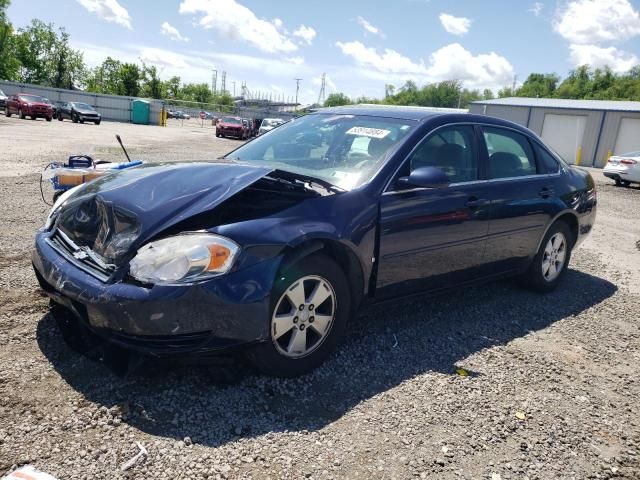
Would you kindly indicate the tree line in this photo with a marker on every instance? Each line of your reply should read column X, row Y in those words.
column 581, row 83
column 41, row 54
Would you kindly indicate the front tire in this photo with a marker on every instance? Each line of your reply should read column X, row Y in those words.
column 49, row 119
column 59, row 117
column 21, row 114
column 74, row 118
column 97, row 122
column 310, row 306
column 550, row 263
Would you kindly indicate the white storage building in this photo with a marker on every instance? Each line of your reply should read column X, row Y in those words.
column 583, row 132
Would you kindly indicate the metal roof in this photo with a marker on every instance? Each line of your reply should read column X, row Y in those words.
column 611, row 105
column 393, row 111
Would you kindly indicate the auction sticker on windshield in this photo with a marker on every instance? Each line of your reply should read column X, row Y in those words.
column 368, row 132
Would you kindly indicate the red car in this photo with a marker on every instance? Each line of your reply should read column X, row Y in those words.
column 231, row 127
column 26, row 105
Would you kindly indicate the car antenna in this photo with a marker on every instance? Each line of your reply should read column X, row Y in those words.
column 123, row 149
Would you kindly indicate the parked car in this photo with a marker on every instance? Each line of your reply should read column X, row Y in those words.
column 79, row 112
column 180, row 115
column 231, row 127
column 269, row 124
column 54, row 106
column 624, row 169
column 274, row 248
column 27, row 105
column 3, row 99
column 171, row 113
column 206, row 115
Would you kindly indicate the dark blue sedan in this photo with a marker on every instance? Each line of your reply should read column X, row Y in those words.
column 275, row 247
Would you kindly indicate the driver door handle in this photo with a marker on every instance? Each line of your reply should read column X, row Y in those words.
column 475, row 202
column 546, row 192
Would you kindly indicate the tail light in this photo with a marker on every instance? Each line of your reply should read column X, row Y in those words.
column 628, row 161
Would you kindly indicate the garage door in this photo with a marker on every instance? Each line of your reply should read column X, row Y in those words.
column 628, row 136
column 564, row 134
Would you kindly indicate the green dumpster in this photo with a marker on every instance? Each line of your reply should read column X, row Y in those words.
column 140, row 110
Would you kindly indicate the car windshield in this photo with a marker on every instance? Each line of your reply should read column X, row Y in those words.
column 344, row 150
column 2, row 93
column 32, row 98
column 631, row 154
column 232, row 120
column 84, row 106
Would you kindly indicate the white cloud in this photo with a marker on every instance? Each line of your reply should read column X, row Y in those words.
column 237, row 22
column 455, row 25
column 389, row 61
column 278, row 23
column 295, row 60
column 109, row 10
column 172, row 32
column 452, row 62
column 369, row 27
column 590, row 22
column 536, row 8
column 162, row 57
column 598, row 57
column 305, row 33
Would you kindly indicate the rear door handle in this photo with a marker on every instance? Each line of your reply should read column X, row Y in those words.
column 475, row 202
column 546, row 192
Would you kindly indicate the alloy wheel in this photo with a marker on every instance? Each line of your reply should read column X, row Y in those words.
column 303, row 316
column 553, row 259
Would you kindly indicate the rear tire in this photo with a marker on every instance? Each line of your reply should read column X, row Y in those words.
column 59, row 117
column 281, row 355
column 33, row 117
column 97, row 122
column 550, row 264
column 49, row 119
column 7, row 113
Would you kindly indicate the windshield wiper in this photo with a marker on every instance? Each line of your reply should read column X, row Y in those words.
column 308, row 180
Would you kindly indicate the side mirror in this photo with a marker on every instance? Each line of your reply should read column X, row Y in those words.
column 425, row 177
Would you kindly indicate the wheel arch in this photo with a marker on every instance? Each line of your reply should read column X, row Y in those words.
column 343, row 255
column 570, row 218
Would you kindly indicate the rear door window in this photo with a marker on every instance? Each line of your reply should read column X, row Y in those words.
column 510, row 153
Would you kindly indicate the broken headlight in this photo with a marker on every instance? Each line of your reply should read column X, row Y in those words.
column 56, row 206
column 183, row 259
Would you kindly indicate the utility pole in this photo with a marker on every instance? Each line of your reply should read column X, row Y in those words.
column 223, row 85
column 234, row 88
column 298, row 80
column 214, row 81
column 513, row 88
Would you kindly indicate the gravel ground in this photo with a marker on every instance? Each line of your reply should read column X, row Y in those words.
column 551, row 390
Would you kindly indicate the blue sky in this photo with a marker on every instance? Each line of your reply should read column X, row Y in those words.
column 359, row 44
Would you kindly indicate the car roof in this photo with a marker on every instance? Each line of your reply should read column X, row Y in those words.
column 391, row 111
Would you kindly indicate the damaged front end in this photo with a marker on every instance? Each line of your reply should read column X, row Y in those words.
column 140, row 259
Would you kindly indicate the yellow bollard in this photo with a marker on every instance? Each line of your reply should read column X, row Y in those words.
column 579, row 156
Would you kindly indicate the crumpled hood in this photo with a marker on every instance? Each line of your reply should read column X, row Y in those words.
column 118, row 212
